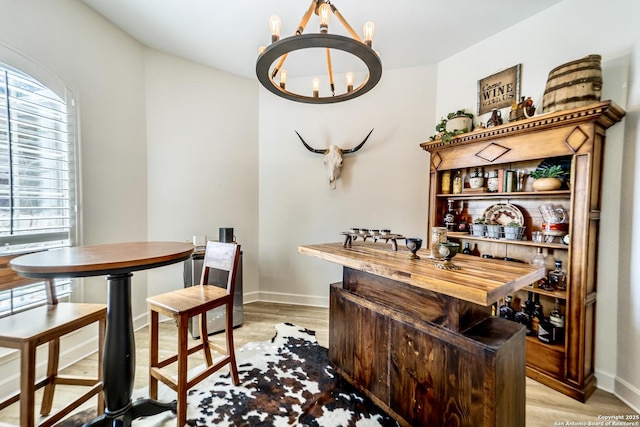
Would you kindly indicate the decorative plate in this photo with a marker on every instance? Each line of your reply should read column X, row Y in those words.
column 503, row 214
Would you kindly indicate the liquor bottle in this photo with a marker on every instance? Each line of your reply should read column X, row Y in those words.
column 557, row 277
column 537, row 316
column 450, row 217
column 539, row 260
column 546, row 332
column 555, row 317
column 528, row 306
column 524, row 318
column 506, row 311
column 467, row 249
column 457, row 182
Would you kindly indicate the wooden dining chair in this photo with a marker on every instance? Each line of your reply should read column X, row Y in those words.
column 184, row 304
column 27, row 330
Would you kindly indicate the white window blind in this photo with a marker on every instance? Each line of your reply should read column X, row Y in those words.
column 37, row 177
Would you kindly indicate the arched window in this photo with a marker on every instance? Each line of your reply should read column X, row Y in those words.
column 37, row 176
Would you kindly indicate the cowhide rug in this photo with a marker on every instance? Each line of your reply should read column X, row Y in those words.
column 286, row 381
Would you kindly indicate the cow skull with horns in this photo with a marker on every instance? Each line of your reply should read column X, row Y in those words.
column 333, row 158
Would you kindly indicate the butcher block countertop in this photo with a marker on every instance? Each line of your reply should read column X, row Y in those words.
column 480, row 281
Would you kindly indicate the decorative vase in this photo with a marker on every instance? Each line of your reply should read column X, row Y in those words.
column 459, row 122
column 547, row 184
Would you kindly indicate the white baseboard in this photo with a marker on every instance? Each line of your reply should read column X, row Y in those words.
column 606, row 381
column 74, row 346
column 628, row 394
column 286, row 298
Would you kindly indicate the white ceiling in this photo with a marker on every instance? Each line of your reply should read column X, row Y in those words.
column 226, row 34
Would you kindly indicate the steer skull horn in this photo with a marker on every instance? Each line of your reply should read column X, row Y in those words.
column 333, row 157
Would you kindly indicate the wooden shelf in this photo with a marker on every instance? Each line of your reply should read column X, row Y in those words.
column 509, row 242
column 553, row 294
column 535, row 342
column 509, row 195
column 579, row 133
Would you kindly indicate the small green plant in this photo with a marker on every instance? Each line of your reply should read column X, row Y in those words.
column 513, row 224
column 479, row 220
column 441, row 127
column 554, row 171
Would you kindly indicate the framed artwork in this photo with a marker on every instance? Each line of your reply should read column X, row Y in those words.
column 499, row 90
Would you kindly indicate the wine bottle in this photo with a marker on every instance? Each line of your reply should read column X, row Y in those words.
column 537, row 316
column 506, row 311
column 467, row 249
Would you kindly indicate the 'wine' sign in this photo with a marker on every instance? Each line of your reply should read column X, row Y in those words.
column 499, row 90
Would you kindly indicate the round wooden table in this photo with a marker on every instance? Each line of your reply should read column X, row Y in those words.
column 117, row 261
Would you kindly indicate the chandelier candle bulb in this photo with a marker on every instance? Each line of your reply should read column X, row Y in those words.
column 316, row 87
column 368, row 30
column 283, row 79
column 261, row 49
column 275, row 24
column 324, row 13
column 349, row 78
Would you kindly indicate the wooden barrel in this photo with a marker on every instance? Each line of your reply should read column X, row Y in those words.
column 574, row 84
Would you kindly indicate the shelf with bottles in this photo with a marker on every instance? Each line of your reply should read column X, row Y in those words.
column 504, row 180
column 467, row 236
column 507, row 196
column 543, row 319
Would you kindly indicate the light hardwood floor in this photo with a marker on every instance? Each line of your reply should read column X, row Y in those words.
column 545, row 407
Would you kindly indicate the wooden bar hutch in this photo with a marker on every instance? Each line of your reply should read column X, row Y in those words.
column 578, row 136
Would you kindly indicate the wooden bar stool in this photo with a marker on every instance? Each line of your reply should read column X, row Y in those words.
column 183, row 304
column 27, row 330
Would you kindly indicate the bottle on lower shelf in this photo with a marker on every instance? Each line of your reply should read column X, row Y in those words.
column 506, row 311
column 536, row 316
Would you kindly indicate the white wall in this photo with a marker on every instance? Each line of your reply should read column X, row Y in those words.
column 382, row 186
column 104, row 68
column 568, row 31
column 202, row 153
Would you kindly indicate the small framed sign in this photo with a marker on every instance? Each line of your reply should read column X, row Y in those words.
column 499, row 90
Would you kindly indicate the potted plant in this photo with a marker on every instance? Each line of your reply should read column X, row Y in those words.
column 478, row 227
column 547, row 178
column 494, row 230
column 513, row 231
column 455, row 124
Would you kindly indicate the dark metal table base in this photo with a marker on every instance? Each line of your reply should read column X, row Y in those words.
column 119, row 361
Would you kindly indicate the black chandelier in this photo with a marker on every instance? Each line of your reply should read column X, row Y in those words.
column 354, row 45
